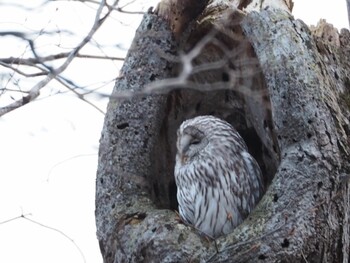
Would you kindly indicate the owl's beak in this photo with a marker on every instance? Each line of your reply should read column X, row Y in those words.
column 184, row 143
column 183, row 159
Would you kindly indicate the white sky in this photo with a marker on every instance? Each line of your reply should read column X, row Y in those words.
column 48, row 149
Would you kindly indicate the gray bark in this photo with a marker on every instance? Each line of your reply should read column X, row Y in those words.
column 130, row 228
column 304, row 86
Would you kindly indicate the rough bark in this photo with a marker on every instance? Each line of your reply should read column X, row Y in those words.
column 294, row 96
column 130, row 228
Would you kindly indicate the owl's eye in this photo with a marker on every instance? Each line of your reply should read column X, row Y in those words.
column 195, row 141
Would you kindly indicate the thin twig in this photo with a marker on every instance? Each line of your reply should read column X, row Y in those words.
column 58, row 231
column 24, row 216
column 35, row 91
column 40, row 60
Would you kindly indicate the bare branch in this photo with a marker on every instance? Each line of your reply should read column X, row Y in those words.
column 6, row 65
column 40, row 60
column 79, row 95
column 58, row 231
column 66, row 160
column 114, row 7
column 63, row 81
column 35, row 91
column 25, row 216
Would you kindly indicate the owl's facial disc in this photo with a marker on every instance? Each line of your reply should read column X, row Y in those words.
column 190, row 143
column 184, row 144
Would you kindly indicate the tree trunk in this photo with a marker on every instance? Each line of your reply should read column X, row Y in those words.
column 287, row 91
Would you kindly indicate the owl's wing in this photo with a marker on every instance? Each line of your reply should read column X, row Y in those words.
column 254, row 178
column 246, row 183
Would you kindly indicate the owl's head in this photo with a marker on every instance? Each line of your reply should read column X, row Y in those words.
column 195, row 135
column 191, row 140
column 206, row 135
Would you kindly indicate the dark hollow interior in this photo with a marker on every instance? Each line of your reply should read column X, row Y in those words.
column 185, row 104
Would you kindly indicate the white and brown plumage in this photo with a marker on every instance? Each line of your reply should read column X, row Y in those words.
column 218, row 181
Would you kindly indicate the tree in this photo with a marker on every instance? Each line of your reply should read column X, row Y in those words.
column 284, row 87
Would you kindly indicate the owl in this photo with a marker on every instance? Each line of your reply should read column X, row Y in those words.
column 218, row 181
